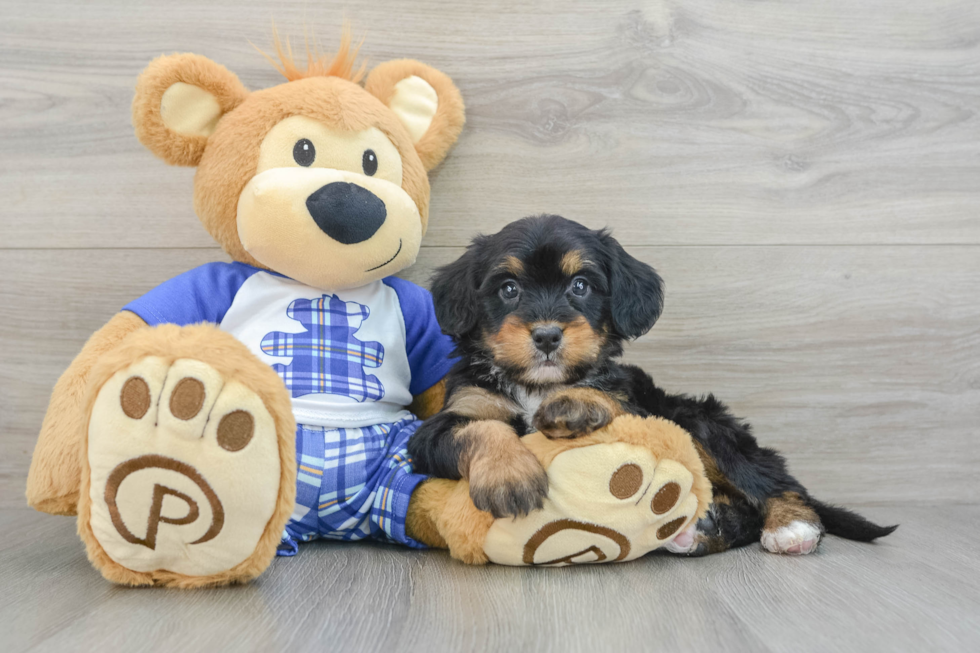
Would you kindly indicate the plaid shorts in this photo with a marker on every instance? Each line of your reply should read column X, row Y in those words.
column 352, row 484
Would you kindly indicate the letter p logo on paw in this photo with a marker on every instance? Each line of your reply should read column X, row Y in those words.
column 160, row 492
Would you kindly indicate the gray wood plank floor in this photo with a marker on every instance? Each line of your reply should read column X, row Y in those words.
column 918, row 590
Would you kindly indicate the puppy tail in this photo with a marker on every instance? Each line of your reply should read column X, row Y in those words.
column 847, row 524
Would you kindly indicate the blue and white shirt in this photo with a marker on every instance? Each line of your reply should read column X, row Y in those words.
column 349, row 358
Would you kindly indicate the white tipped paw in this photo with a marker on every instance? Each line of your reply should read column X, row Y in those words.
column 797, row 538
column 184, row 468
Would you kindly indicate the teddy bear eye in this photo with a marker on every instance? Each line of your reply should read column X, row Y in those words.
column 369, row 162
column 304, row 153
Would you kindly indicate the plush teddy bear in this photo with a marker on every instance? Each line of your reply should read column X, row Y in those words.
column 242, row 407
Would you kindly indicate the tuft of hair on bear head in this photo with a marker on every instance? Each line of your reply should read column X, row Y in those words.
column 318, row 64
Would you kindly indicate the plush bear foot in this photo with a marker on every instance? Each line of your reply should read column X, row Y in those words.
column 185, row 470
column 613, row 496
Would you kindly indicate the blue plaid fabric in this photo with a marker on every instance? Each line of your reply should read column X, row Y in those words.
column 352, row 484
column 327, row 358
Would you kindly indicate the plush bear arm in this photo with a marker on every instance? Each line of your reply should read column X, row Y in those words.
column 429, row 402
column 55, row 474
column 442, row 516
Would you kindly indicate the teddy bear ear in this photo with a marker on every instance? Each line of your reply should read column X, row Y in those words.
column 179, row 100
column 426, row 102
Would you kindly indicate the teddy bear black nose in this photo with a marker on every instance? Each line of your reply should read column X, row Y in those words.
column 346, row 212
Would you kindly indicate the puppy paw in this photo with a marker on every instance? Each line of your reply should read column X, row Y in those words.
column 796, row 538
column 792, row 527
column 574, row 412
column 508, row 483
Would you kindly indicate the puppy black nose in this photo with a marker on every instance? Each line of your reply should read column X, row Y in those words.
column 346, row 212
column 546, row 338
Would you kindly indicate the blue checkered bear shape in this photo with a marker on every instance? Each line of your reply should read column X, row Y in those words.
column 327, row 358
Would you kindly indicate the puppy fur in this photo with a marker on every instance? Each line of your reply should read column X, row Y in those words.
column 539, row 313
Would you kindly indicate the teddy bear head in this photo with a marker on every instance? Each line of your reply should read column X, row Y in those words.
column 320, row 179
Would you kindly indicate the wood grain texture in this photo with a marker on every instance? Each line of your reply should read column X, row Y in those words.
column 861, row 364
column 715, row 122
column 903, row 594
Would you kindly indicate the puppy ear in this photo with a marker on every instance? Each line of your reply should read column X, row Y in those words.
column 637, row 292
column 454, row 294
column 426, row 102
column 179, row 100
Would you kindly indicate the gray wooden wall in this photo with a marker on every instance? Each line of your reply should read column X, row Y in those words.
column 805, row 175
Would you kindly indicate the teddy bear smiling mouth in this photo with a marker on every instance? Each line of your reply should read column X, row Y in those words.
column 397, row 252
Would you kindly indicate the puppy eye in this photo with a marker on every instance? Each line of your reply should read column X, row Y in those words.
column 509, row 291
column 580, row 287
column 304, row 153
column 369, row 162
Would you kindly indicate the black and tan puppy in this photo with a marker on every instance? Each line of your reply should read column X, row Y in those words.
column 539, row 313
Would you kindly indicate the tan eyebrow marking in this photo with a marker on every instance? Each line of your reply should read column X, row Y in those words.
column 573, row 262
column 513, row 265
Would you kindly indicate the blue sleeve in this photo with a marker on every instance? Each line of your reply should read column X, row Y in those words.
column 203, row 294
column 429, row 349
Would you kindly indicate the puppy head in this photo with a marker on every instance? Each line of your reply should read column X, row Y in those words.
column 546, row 299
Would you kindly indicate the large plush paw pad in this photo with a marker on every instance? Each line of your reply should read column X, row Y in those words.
column 606, row 503
column 796, row 538
column 185, row 468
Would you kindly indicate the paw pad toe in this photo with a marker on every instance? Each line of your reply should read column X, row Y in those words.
column 235, row 430
column 670, row 528
column 665, row 498
column 135, row 397
column 626, row 481
column 187, row 398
